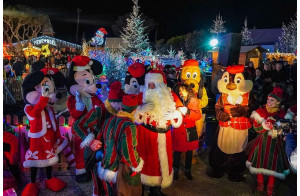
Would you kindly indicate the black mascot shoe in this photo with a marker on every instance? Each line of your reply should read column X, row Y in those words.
column 175, row 176
column 236, row 177
column 214, row 173
column 155, row 191
column 85, row 177
column 188, row 175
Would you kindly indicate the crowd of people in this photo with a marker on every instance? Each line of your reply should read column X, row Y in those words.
column 273, row 73
column 134, row 140
column 16, row 66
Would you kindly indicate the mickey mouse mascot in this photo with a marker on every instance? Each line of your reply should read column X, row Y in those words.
column 82, row 88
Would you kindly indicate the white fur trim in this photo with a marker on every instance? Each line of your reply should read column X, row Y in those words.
column 264, row 126
column 139, row 115
column 62, row 145
column 139, row 167
column 156, row 180
column 80, row 171
column 178, row 116
column 40, row 163
column 106, row 174
column 153, row 77
column 52, row 117
column 257, row 117
column 163, row 160
column 28, row 116
column 87, row 140
column 81, row 68
column 267, row 172
column 44, row 128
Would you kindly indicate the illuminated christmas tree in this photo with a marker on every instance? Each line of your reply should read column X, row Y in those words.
column 133, row 35
column 218, row 26
column 288, row 38
column 246, row 35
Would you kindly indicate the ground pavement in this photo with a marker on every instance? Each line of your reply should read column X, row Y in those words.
column 201, row 185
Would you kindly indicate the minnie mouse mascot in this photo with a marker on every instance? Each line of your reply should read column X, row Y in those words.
column 45, row 139
column 82, row 88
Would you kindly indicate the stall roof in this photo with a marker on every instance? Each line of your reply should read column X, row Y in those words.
column 248, row 48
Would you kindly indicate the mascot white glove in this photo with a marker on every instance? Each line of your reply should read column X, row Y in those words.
column 79, row 103
column 183, row 110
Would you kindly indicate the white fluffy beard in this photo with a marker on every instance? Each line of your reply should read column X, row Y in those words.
column 163, row 101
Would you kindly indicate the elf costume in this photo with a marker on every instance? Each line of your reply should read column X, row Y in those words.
column 119, row 136
column 268, row 156
column 92, row 122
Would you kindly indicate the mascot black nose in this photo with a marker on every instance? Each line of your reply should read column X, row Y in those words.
column 192, row 85
column 58, row 95
column 135, row 86
column 98, row 85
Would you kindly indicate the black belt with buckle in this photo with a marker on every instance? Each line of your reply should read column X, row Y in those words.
column 157, row 130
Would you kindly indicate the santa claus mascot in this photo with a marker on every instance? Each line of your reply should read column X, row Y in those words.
column 82, row 87
column 44, row 135
column 233, row 110
column 155, row 117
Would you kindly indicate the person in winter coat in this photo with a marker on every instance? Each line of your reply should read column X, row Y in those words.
column 185, row 138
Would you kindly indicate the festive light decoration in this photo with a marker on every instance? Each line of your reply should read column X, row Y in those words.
column 133, row 35
column 246, row 35
column 218, row 26
column 288, row 38
column 45, row 50
column 99, row 39
column 286, row 56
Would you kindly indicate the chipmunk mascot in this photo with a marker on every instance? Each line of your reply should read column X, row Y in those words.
column 233, row 110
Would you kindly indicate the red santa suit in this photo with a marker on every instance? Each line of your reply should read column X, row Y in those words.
column 155, row 141
column 45, row 138
column 90, row 103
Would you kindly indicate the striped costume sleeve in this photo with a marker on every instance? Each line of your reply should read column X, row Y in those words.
column 258, row 127
column 88, row 121
column 128, row 141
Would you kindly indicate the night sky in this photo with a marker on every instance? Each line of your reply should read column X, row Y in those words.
column 173, row 17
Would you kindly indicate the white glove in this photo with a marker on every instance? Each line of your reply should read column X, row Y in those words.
column 183, row 110
column 79, row 103
column 169, row 115
column 148, row 107
column 45, row 91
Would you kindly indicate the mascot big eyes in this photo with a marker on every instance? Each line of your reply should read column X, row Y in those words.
column 39, row 93
column 135, row 78
column 191, row 75
column 233, row 110
column 82, row 86
column 81, row 76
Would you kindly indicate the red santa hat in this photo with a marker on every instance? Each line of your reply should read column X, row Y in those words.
column 137, row 70
column 129, row 102
column 191, row 63
column 103, row 30
column 115, row 93
column 49, row 71
column 155, row 76
column 81, row 63
column 277, row 93
column 234, row 69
